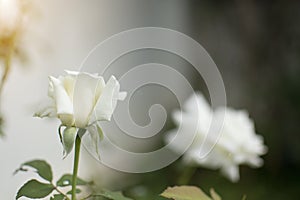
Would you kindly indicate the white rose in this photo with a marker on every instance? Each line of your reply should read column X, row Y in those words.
column 79, row 100
column 238, row 142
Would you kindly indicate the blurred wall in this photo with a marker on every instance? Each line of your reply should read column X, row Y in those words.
column 59, row 39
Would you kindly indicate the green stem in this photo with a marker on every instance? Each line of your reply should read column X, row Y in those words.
column 187, row 175
column 60, row 192
column 75, row 166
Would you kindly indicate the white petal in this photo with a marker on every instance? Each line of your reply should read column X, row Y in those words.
column 63, row 103
column 107, row 101
column 255, row 161
column 69, row 84
column 100, row 85
column 122, row 95
column 74, row 73
column 50, row 89
column 99, row 89
column 62, row 100
column 116, row 91
column 197, row 101
column 85, row 95
column 232, row 172
column 177, row 117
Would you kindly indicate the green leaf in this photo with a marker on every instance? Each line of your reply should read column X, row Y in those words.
column 68, row 138
column 42, row 168
column 35, row 189
column 57, row 197
column 112, row 195
column 66, row 180
column 214, row 195
column 185, row 193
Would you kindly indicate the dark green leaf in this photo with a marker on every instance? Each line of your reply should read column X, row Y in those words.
column 35, row 189
column 57, row 197
column 112, row 195
column 66, row 180
column 42, row 168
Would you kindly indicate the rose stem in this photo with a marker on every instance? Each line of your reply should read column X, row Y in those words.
column 187, row 175
column 75, row 166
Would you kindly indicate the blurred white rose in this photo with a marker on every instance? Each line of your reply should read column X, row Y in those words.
column 238, row 143
column 9, row 15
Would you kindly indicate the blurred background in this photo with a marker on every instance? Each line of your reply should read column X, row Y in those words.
column 256, row 46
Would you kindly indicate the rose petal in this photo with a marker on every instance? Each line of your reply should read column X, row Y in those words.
column 86, row 90
column 122, row 95
column 74, row 73
column 64, row 106
column 107, row 101
column 232, row 172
